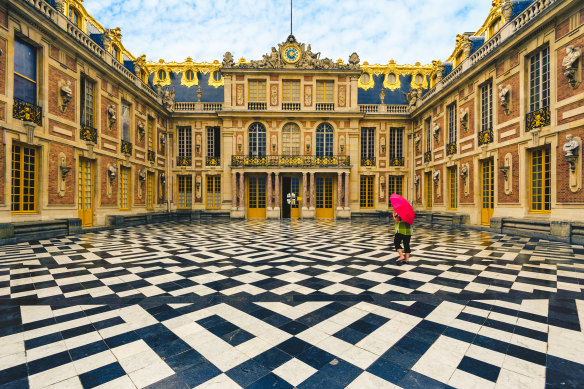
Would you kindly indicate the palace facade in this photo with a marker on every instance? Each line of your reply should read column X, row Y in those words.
column 90, row 131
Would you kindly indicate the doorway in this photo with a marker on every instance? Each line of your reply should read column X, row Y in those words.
column 85, row 181
column 291, row 197
column 324, row 198
column 256, row 197
column 487, row 191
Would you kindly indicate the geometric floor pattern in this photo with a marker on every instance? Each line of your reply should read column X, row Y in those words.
column 306, row 304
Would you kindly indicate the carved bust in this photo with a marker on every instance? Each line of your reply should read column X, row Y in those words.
column 66, row 94
column 416, row 180
column 572, row 55
column 436, row 176
column 142, row 175
column 111, row 116
column 503, row 94
column 571, row 146
column 464, row 171
column 111, row 171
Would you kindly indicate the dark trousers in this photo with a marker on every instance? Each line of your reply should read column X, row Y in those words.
column 399, row 238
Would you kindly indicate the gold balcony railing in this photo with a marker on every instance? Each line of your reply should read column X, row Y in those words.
column 182, row 160
column 290, row 161
column 27, row 112
column 537, row 119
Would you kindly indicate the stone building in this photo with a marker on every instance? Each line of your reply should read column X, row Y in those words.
column 90, row 131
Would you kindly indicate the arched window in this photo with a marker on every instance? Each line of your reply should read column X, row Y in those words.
column 391, row 78
column 257, row 139
column 324, row 140
column 419, row 79
column 291, row 139
column 190, row 75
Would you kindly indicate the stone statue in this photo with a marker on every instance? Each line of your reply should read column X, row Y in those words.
column 416, row 179
column 111, row 171
column 228, row 60
column 412, row 98
column 464, row 119
column 436, row 131
column 111, row 116
column 354, row 61
column 142, row 175
column 436, row 176
column 168, row 98
column 162, row 178
column 504, row 97
column 66, row 94
column 571, row 146
column 464, row 171
column 569, row 63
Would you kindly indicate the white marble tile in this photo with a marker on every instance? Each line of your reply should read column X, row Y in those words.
column 294, row 371
column 462, row 379
column 367, row 380
column 151, row 374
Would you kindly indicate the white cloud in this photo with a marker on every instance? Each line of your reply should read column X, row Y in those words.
column 407, row 31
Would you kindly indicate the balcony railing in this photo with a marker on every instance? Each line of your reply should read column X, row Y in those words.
column 486, row 136
column 151, row 156
column 396, row 161
column 290, row 106
column 182, row 160
column 325, row 106
column 212, row 106
column 213, row 161
column 537, row 119
column 257, row 106
column 127, row 147
column 27, row 112
column 197, row 107
column 367, row 108
column 367, row 161
column 428, row 156
column 451, row 148
column 88, row 134
column 290, row 161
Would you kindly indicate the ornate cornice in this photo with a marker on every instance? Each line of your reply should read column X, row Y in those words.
column 188, row 79
column 397, row 70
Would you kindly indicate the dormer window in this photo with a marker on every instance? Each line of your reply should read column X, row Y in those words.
column 116, row 52
column 216, row 76
column 494, row 27
column 190, row 75
column 391, row 78
column 419, row 79
column 365, row 78
column 74, row 17
column 161, row 75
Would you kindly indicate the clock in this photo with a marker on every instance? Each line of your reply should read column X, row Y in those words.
column 291, row 54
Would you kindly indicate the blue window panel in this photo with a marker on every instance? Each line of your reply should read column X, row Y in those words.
column 25, row 60
column 25, row 90
column 125, row 122
column 257, row 139
column 324, row 140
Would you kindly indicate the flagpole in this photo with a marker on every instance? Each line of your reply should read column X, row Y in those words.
column 290, row 17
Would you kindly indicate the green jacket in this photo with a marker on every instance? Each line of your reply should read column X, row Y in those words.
column 403, row 228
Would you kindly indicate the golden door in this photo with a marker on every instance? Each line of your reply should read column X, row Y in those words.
column 295, row 206
column 487, row 191
column 428, row 189
column 256, row 197
column 324, row 198
column 85, row 177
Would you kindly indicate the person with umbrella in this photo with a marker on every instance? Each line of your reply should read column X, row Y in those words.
column 403, row 215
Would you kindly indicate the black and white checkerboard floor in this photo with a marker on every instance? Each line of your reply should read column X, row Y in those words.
column 290, row 304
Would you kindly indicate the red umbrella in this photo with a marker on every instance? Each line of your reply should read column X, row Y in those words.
column 402, row 208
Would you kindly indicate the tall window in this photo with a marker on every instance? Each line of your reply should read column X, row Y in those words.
column 291, row 139
column 367, row 146
column 150, row 133
column 24, row 179
column 291, row 91
column 257, row 91
column 452, row 123
column 487, row 105
column 539, row 80
column 150, row 191
column 428, row 126
column 213, row 192
column 257, row 139
column 184, row 142
column 125, row 121
column 324, row 140
column 453, row 187
column 366, row 189
column 396, row 142
column 541, row 177
column 87, row 102
column 324, row 91
column 214, row 142
column 124, row 188
column 395, row 185
column 25, row 72
column 185, row 192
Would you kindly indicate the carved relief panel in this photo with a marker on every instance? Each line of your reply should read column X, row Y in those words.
column 307, row 95
column 342, row 95
column 273, row 95
column 239, row 92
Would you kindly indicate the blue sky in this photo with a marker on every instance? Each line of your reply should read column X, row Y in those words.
column 407, row 31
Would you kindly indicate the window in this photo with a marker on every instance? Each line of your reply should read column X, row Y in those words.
column 257, row 91
column 391, row 78
column 213, row 192
column 419, row 79
column 126, row 121
column 161, row 75
column 539, row 80
column 216, row 76
column 24, row 179
column 185, row 192
column 452, row 188
column 116, row 54
column 494, row 27
column 324, row 140
column 365, row 78
column 214, row 142
column 87, row 103
column 190, row 75
column 324, row 91
column 257, row 139
column 124, row 188
column 291, row 139
column 428, row 139
column 428, row 187
column 184, row 142
column 366, row 190
column 540, row 178
column 25, row 72
column 451, row 110
column 150, row 191
column 395, row 185
column 74, row 17
column 291, row 91
column 487, row 106
column 396, row 141
column 367, row 146
column 150, row 133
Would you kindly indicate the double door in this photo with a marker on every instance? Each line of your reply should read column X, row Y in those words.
column 256, row 197
column 487, row 191
column 324, row 196
column 85, row 192
column 291, row 197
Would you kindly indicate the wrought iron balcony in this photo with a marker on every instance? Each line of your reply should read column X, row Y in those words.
column 257, row 106
column 27, row 112
column 88, row 134
column 536, row 119
column 428, row 156
column 151, row 156
column 127, row 147
column 396, row 161
column 290, row 106
column 486, row 136
column 182, row 160
column 325, row 106
column 451, row 148
column 213, row 161
column 367, row 161
column 290, row 161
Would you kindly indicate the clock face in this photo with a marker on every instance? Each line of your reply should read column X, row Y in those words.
column 291, row 54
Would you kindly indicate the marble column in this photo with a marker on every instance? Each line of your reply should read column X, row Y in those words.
column 269, row 192
column 305, row 203
column 233, row 191
column 347, row 191
column 241, row 191
column 311, row 190
column 277, row 190
column 339, row 190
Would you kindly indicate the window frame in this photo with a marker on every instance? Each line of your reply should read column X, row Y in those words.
column 184, row 182
column 291, row 94
column 366, row 191
column 395, row 184
column 428, row 131
column 396, row 142
column 541, row 98
column 213, row 201
column 17, row 166
column 486, row 105
column 323, row 94
column 125, row 188
column 257, row 140
column 85, row 106
column 259, row 92
column 367, row 143
column 291, row 139
column 324, row 140
column 26, row 79
column 126, row 133
column 546, row 181
column 452, row 119
column 184, row 141
column 453, row 188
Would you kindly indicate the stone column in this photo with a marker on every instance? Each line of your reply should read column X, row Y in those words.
column 233, row 191
column 305, row 203
column 269, row 192
column 311, row 190
column 346, row 191
column 241, row 191
column 277, row 190
column 339, row 190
